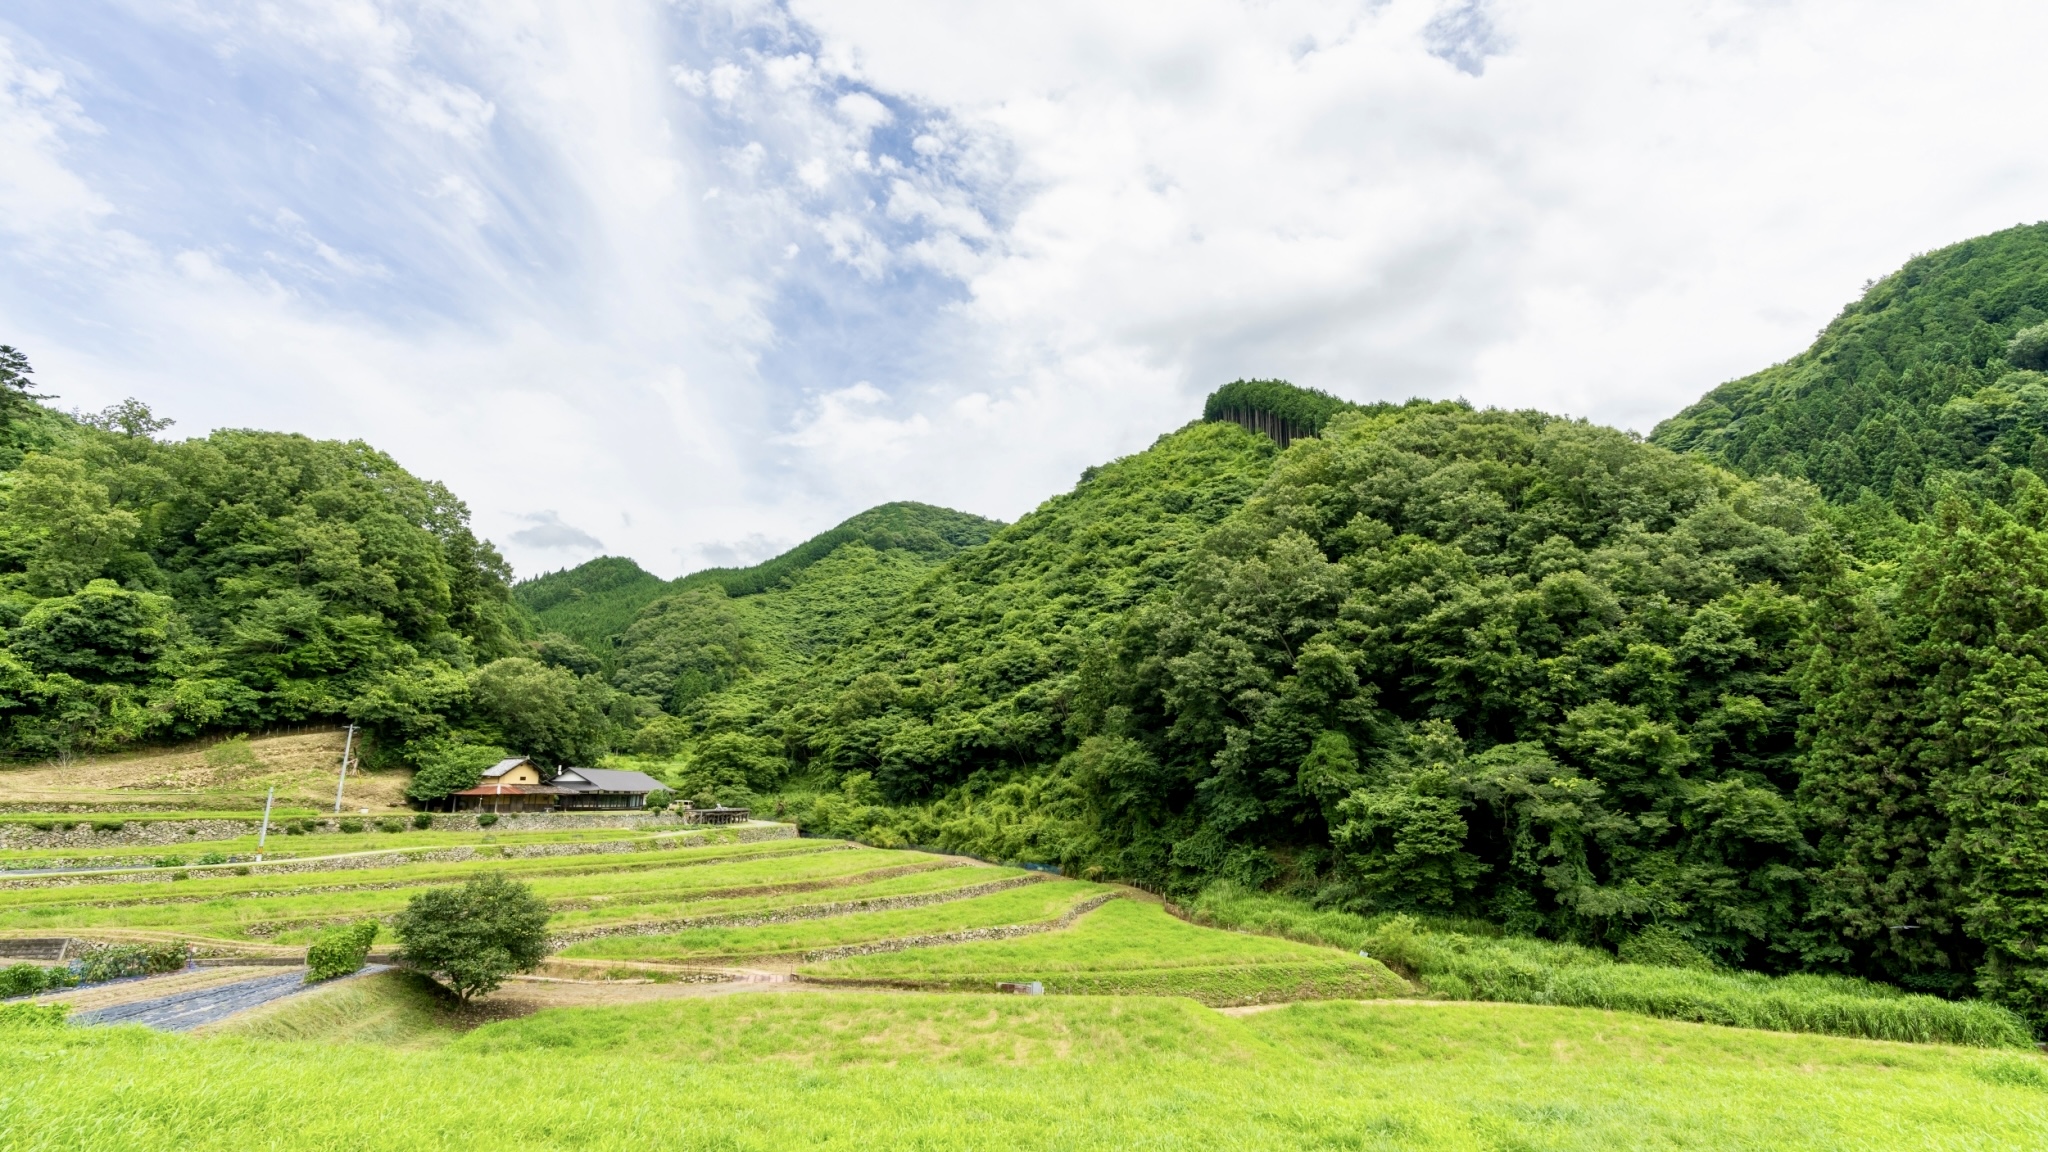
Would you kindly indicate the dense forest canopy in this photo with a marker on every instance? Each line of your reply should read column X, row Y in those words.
column 595, row 602
column 1773, row 684
column 1937, row 369
column 153, row 589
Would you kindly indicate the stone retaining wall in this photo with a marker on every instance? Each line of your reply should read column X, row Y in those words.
column 17, row 834
column 396, row 857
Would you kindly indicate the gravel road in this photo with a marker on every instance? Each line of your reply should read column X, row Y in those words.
column 187, row 1010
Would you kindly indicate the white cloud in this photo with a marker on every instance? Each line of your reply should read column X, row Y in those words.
column 546, row 531
column 724, row 273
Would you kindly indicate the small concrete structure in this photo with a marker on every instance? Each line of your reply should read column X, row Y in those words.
column 718, row 815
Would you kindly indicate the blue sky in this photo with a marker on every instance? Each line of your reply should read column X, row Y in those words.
column 692, row 281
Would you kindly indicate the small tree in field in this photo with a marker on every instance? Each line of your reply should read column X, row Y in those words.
column 474, row 936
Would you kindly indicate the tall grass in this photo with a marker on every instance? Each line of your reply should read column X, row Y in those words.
column 1466, row 965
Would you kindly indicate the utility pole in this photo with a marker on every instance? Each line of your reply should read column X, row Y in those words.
column 346, row 746
column 264, row 832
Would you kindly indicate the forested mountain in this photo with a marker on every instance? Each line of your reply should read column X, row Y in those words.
column 1509, row 666
column 152, row 590
column 1937, row 369
column 596, row 601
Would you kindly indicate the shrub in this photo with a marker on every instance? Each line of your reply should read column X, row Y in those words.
column 340, row 950
column 213, row 858
column 109, row 825
column 28, row 979
column 33, row 1015
column 487, row 819
column 423, row 820
column 243, row 870
column 232, row 753
column 1660, row 947
column 349, row 825
column 102, row 962
column 43, row 825
column 391, row 824
column 659, row 799
column 295, row 828
column 442, row 765
column 169, row 862
column 474, row 936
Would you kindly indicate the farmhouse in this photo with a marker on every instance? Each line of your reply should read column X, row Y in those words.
column 517, row 785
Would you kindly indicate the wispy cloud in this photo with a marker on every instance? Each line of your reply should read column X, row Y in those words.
column 722, row 272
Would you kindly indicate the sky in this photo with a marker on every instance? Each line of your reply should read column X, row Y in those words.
column 693, row 281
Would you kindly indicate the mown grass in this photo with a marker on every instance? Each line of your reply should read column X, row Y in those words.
column 1131, row 948
column 224, row 906
column 741, row 1073
column 931, row 882
column 1029, row 904
column 1465, row 966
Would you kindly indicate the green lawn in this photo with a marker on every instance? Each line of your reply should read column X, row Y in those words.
column 1133, row 948
column 857, row 1071
column 1026, row 905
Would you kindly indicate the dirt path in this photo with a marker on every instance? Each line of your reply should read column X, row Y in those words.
column 523, row 994
column 1254, row 1009
column 186, row 1010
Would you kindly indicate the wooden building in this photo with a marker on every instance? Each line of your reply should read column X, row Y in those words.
column 519, row 785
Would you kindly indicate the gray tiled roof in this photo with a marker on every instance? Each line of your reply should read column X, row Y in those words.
column 606, row 780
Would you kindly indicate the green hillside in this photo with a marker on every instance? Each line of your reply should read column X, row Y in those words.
column 1919, row 377
column 153, row 589
column 1495, row 665
column 595, row 602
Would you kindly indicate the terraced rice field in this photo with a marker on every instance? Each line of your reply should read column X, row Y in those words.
column 283, row 846
column 890, row 1038
column 1128, row 948
column 595, row 892
column 631, row 904
column 1033, row 904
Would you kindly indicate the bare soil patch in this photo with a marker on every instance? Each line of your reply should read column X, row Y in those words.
column 216, row 775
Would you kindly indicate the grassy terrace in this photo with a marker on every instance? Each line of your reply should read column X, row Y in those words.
column 281, row 846
column 1030, row 904
column 386, row 1069
column 288, row 907
column 1130, row 947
